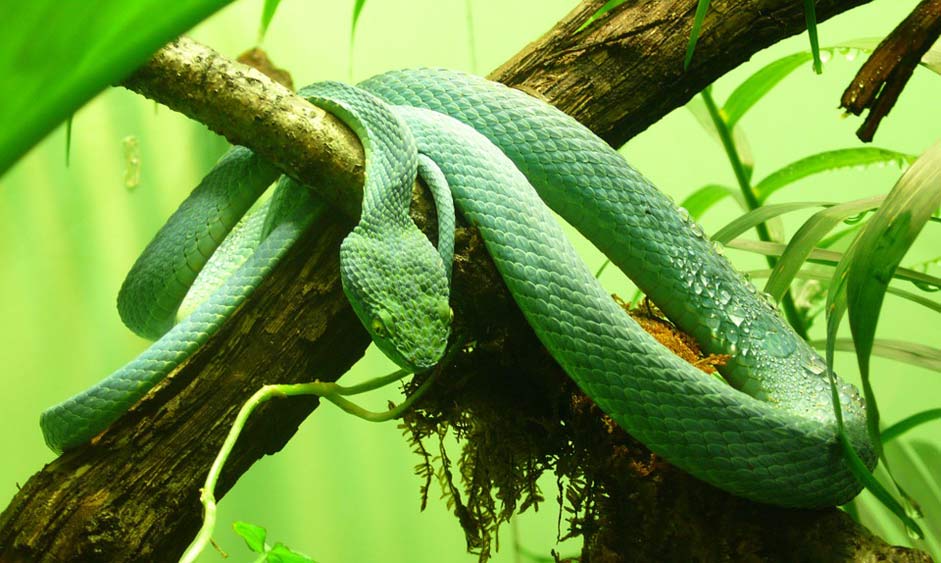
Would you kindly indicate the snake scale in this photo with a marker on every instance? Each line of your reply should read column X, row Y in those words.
column 769, row 435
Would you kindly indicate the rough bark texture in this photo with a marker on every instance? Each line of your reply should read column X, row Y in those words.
column 132, row 494
column 885, row 73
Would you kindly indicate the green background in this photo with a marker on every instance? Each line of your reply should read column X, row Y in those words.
column 343, row 489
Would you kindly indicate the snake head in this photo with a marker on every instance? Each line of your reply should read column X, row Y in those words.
column 398, row 288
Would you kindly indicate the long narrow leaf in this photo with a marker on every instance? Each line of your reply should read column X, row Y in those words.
column 906, row 424
column 806, row 274
column 806, row 238
column 267, row 14
column 600, row 13
column 831, row 258
column 698, row 202
column 760, row 215
column 836, row 308
column 701, row 10
column 757, row 85
column 357, row 10
column 41, row 87
column 931, row 60
column 810, row 15
column 826, row 161
column 909, row 352
column 881, row 245
column 698, row 108
column 68, row 139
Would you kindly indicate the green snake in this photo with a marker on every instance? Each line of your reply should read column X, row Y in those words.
column 769, row 435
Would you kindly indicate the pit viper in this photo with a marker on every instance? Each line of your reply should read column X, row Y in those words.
column 508, row 160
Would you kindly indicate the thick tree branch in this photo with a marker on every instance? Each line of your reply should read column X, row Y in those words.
column 137, row 495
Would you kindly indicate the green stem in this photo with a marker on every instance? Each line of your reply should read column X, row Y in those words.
column 728, row 142
column 329, row 391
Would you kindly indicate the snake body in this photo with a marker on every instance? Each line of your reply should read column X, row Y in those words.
column 770, row 436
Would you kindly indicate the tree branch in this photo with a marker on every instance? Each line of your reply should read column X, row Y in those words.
column 137, row 498
column 885, row 73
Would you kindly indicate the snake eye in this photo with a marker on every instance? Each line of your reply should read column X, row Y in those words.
column 381, row 324
column 445, row 312
column 378, row 327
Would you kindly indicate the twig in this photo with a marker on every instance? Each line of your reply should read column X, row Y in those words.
column 882, row 77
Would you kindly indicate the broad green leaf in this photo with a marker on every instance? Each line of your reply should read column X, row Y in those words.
column 698, row 202
column 58, row 55
column 604, row 9
column 879, row 249
column 810, row 15
column 280, row 553
column 267, row 14
column 757, row 216
column 894, row 431
column 829, row 160
column 909, row 352
column 701, row 10
column 806, row 238
column 253, row 535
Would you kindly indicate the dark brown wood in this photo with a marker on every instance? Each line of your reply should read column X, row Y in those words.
column 132, row 494
column 625, row 71
column 883, row 76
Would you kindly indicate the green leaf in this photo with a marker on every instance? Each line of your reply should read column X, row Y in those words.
column 698, row 202
column 879, row 249
column 894, row 431
column 280, row 553
column 701, row 10
column 836, row 307
column 810, row 15
column 909, row 352
column 357, row 10
column 604, row 9
column 267, row 14
column 698, row 108
column 51, row 65
column 749, row 92
column 860, row 281
column 757, row 85
column 253, row 535
column 68, row 139
column 757, row 216
column 832, row 258
column 806, row 274
column 931, row 59
column 829, row 160
column 806, row 238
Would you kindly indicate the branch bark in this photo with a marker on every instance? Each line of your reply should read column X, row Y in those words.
column 137, row 495
column 885, row 73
